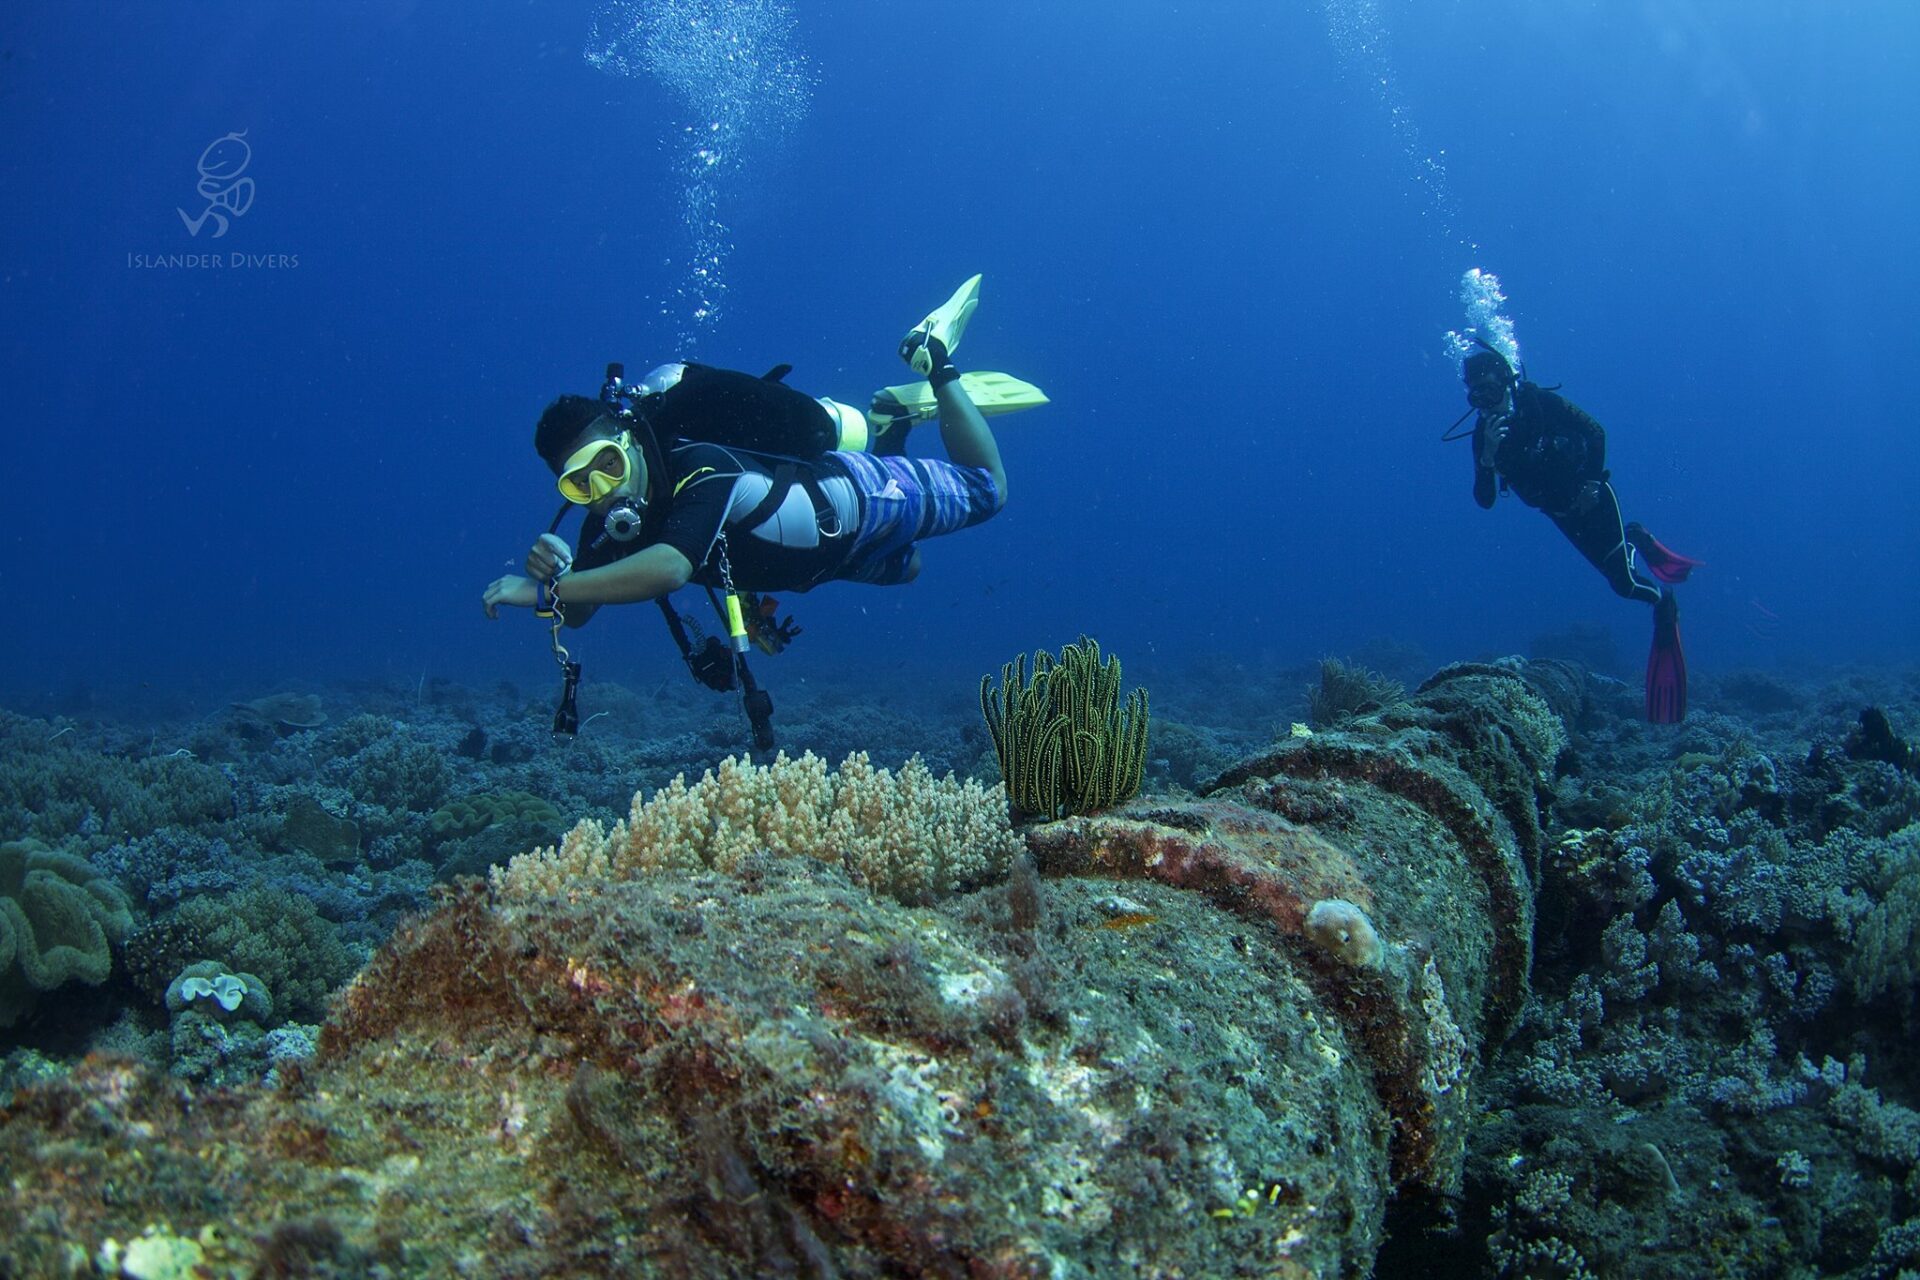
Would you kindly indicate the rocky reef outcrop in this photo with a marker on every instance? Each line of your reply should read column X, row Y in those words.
column 1198, row 1036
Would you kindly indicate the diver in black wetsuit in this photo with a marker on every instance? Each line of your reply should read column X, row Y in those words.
column 1553, row 455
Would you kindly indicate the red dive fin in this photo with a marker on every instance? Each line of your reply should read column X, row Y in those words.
column 1666, row 666
column 1662, row 562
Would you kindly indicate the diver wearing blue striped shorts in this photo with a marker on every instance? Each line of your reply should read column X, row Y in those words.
column 711, row 476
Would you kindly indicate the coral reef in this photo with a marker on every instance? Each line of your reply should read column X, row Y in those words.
column 276, row 934
column 470, row 814
column 309, row 828
column 55, row 789
column 207, row 985
column 785, row 1019
column 1493, row 980
column 59, row 922
column 1726, row 947
column 474, row 834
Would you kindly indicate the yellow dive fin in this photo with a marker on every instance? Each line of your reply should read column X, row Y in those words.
column 991, row 393
column 946, row 324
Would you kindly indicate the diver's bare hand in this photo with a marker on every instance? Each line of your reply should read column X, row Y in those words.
column 1493, row 434
column 513, row 590
column 549, row 558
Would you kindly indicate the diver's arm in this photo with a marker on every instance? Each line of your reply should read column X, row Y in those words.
column 1486, row 480
column 656, row 571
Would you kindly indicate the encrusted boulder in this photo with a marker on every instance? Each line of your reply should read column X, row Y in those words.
column 1207, row 1038
column 1390, row 862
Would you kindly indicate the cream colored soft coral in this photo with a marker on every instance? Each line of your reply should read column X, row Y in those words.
column 580, row 855
column 908, row 834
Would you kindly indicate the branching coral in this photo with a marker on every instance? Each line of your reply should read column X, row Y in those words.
column 385, row 763
column 1885, row 955
column 61, row 792
column 263, row 931
column 906, row 835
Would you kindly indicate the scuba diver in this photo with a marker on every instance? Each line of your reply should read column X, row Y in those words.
column 1553, row 456
column 744, row 485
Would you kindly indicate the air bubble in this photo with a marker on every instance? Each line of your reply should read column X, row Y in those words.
column 742, row 83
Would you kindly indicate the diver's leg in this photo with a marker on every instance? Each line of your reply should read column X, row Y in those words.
column 928, row 350
column 964, row 432
column 1599, row 536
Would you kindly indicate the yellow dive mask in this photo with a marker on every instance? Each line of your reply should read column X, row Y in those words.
column 597, row 469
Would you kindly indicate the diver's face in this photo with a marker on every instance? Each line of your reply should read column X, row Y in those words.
column 611, row 461
column 623, row 466
column 1488, row 392
column 616, row 467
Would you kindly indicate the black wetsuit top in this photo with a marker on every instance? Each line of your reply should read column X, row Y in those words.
column 1553, row 447
column 710, row 488
column 1553, row 450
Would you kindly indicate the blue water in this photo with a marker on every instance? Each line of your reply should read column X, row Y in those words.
column 1226, row 238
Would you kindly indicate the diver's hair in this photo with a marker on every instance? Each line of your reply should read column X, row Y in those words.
column 561, row 425
column 1487, row 357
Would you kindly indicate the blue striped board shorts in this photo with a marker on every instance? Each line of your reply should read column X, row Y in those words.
column 903, row 500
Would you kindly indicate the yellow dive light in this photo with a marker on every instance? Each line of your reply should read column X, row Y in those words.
column 736, row 623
